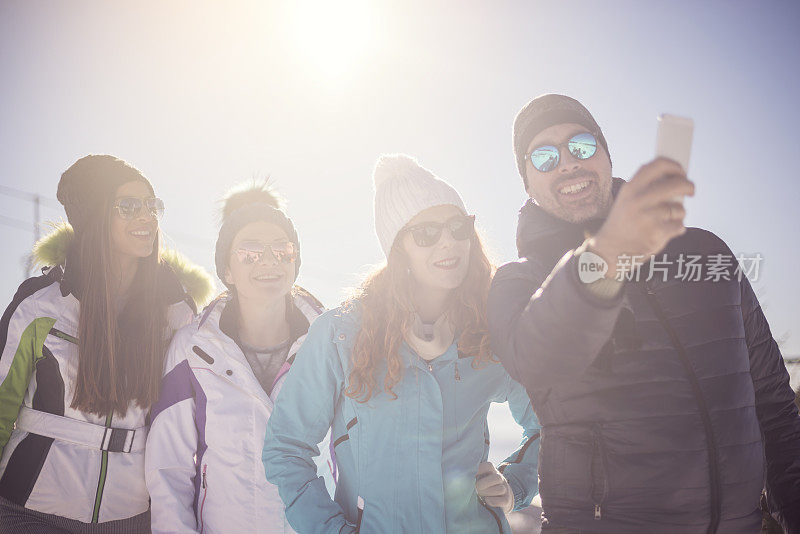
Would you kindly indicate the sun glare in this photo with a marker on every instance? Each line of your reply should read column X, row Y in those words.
column 334, row 36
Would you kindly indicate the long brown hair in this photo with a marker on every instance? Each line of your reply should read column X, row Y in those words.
column 120, row 356
column 387, row 309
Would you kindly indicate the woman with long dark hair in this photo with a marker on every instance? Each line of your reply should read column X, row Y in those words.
column 83, row 354
column 404, row 375
column 225, row 371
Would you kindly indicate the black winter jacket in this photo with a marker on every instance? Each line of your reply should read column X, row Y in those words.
column 665, row 410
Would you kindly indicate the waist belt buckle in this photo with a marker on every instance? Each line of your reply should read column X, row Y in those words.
column 118, row 440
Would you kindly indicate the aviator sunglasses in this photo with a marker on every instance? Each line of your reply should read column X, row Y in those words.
column 428, row 234
column 546, row 158
column 130, row 207
column 251, row 252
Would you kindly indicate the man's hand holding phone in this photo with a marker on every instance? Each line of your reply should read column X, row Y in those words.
column 648, row 211
column 645, row 215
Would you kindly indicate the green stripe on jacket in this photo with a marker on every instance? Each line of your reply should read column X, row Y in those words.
column 15, row 384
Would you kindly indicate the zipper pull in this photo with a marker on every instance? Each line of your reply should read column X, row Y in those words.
column 597, row 512
column 458, row 376
column 430, row 367
column 204, row 476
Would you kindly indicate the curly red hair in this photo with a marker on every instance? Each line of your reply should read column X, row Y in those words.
column 387, row 309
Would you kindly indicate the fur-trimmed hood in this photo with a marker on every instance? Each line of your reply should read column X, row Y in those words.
column 51, row 250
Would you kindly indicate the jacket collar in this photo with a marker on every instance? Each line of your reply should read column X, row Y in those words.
column 547, row 237
column 217, row 329
column 300, row 312
column 349, row 324
column 412, row 359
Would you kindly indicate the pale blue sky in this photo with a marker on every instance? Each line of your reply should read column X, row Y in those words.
column 200, row 95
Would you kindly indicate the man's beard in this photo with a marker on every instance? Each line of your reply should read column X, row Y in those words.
column 595, row 207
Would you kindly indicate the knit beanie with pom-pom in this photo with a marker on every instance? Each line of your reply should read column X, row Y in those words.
column 246, row 204
column 403, row 188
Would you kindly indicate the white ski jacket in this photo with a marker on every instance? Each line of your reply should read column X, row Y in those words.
column 53, row 458
column 203, row 461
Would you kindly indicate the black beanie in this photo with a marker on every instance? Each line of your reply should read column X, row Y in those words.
column 243, row 206
column 543, row 112
column 91, row 183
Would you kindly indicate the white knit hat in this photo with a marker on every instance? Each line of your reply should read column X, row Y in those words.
column 402, row 189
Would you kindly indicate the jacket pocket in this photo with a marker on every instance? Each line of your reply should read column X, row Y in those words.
column 346, row 436
column 203, row 490
column 565, row 469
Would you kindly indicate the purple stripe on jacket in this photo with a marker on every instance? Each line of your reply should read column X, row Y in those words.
column 178, row 385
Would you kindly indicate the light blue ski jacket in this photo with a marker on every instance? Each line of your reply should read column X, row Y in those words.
column 406, row 465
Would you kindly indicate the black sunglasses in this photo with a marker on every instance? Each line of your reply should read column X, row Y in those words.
column 546, row 157
column 427, row 234
column 130, row 207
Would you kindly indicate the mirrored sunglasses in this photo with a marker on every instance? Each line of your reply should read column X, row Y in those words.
column 131, row 207
column 546, row 158
column 249, row 253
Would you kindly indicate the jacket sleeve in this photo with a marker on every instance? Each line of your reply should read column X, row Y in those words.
column 521, row 469
column 173, row 442
column 301, row 418
column 776, row 411
column 22, row 335
column 547, row 328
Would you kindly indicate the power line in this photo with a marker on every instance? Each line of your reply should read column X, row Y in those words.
column 15, row 223
column 35, row 197
column 30, row 197
column 38, row 200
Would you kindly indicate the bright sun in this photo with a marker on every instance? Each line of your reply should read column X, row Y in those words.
column 333, row 36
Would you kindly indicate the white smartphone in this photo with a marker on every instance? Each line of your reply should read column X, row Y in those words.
column 674, row 140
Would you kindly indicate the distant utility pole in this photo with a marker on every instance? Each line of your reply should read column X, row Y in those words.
column 37, row 200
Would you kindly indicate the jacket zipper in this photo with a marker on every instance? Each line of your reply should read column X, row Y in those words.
column 64, row 336
column 713, row 467
column 204, row 484
column 598, row 473
column 102, row 480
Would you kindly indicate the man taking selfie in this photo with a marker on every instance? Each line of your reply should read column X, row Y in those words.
column 664, row 401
